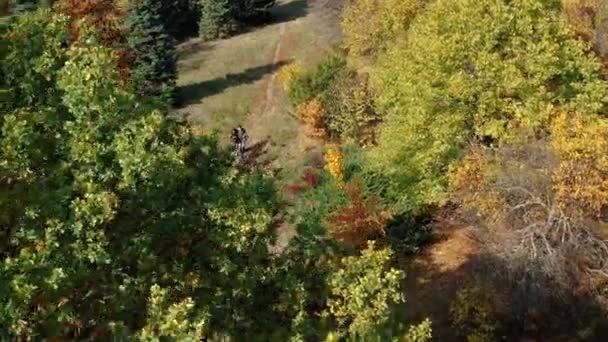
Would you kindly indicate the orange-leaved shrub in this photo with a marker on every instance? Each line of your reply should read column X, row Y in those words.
column 312, row 114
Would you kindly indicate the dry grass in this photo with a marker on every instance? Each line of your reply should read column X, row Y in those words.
column 219, row 80
column 232, row 81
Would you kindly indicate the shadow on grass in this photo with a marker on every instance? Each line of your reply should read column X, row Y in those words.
column 193, row 93
column 256, row 157
column 276, row 15
column 289, row 11
column 191, row 48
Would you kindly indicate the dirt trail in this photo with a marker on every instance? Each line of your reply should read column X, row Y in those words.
column 305, row 38
column 270, row 91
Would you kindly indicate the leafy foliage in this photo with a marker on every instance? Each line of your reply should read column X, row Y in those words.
column 362, row 290
column 104, row 20
column 473, row 314
column 94, row 227
column 407, row 232
column 315, row 82
column 334, row 163
column 32, row 54
column 170, row 320
column 581, row 143
column 217, row 20
column 313, row 205
column 105, row 16
column 350, row 110
column 119, row 223
column 312, row 114
column 287, row 74
column 370, row 24
column 580, row 15
column 589, row 22
column 468, row 68
column 601, row 24
column 548, row 243
column 359, row 221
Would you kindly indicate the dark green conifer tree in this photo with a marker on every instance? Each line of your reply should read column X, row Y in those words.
column 181, row 17
column 152, row 48
column 218, row 19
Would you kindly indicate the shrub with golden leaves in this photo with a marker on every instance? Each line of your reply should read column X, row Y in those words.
column 334, row 162
column 312, row 114
column 581, row 143
column 289, row 73
column 469, row 183
column 366, row 24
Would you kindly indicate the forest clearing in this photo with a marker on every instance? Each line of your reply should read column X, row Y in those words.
column 304, row 170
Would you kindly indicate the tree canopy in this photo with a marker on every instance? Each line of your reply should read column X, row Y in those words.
column 118, row 222
column 470, row 69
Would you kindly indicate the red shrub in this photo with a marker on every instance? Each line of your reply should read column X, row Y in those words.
column 310, row 177
column 296, row 188
column 104, row 15
column 359, row 221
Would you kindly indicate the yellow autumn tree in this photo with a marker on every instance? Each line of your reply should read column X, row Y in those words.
column 581, row 143
column 366, row 24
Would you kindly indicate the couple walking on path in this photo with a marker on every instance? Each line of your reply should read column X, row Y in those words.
column 238, row 138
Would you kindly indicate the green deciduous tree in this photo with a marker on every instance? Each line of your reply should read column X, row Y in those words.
column 350, row 111
column 105, row 198
column 362, row 289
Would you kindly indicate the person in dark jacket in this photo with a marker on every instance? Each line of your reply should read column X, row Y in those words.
column 243, row 138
